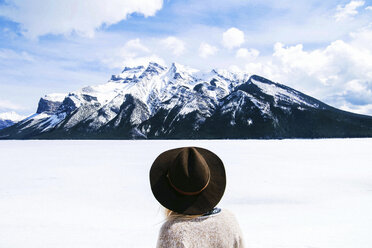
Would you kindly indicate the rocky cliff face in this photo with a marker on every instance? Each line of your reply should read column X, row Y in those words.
column 49, row 104
column 156, row 102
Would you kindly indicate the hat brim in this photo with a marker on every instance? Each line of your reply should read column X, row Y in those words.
column 187, row 204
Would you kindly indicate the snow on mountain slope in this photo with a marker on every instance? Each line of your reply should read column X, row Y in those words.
column 55, row 97
column 9, row 118
column 153, row 85
column 176, row 101
column 282, row 94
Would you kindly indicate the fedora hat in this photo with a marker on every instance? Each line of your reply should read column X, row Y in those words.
column 188, row 180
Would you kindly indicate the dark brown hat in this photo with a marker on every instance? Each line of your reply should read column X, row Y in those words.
column 188, row 180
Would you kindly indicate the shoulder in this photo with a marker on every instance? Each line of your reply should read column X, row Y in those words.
column 230, row 228
column 234, row 226
column 228, row 216
column 174, row 227
column 221, row 227
column 170, row 235
column 179, row 226
column 231, row 218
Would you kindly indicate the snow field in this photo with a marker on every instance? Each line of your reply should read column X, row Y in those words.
column 284, row 193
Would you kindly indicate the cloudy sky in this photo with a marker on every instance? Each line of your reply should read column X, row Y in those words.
column 322, row 48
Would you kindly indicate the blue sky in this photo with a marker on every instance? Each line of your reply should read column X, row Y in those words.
column 323, row 48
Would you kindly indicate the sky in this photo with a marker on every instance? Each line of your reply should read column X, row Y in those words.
column 321, row 48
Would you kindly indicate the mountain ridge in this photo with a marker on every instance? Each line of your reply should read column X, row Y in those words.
column 179, row 102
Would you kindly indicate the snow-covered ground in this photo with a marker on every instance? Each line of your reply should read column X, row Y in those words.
column 86, row 194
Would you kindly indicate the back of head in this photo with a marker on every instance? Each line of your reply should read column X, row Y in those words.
column 188, row 180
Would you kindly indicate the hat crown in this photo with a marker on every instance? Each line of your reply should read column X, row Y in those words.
column 189, row 172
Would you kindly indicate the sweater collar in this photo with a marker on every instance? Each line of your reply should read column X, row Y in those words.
column 213, row 211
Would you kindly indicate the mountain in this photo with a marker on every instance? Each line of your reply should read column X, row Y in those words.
column 8, row 119
column 156, row 102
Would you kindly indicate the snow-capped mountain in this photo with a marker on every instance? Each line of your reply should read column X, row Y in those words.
column 8, row 119
column 156, row 102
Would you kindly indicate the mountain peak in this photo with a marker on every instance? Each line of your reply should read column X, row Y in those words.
column 152, row 68
column 230, row 75
column 134, row 68
column 156, row 64
column 154, row 101
column 50, row 103
column 178, row 71
column 179, row 67
column 55, row 97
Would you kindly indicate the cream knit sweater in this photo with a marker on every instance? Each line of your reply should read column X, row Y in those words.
column 220, row 230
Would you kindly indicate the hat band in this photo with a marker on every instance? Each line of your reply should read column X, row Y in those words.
column 187, row 193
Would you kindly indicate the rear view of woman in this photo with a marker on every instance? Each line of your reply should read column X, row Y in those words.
column 189, row 182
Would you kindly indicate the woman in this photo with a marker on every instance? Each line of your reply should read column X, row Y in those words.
column 189, row 182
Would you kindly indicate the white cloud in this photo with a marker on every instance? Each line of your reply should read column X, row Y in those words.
column 362, row 109
column 339, row 74
column 295, row 58
column 7, row 54
column 135, row 61
column 232, row 38
column 247, row 53
column 7, row 105
column 264, row 68
column 132, row 53
column 235, row 69
column 176, row 45
column 348, row 11
column 369, row 8
column 40, row 17
column 337, row 63
column 206, row 50
column 136, row 45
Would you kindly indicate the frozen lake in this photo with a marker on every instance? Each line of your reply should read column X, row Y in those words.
column 86, row 194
